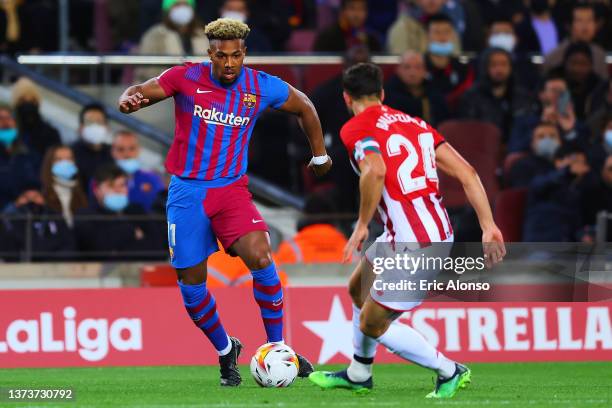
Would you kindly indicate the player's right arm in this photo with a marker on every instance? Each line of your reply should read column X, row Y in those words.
column 452, row 163
column 371, row 183
column 139, row 96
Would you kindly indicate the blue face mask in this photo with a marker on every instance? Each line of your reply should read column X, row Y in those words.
column 64, row 169
column 546, row 147
column 441, row 48
column 608, row 138
column 8, row 136
column 130, row 166
column 115, row 202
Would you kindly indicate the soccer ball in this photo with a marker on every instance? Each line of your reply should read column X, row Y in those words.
column 274, row 365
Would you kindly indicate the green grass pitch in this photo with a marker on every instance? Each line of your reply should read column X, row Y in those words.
column 396, row 385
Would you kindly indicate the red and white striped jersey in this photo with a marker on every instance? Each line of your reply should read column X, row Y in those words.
column 411, row 206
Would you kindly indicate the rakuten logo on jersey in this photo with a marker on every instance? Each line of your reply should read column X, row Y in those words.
column 90, row 338
column 216, row 117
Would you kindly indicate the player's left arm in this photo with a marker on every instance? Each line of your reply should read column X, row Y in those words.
column 299, row 104
column 452, row 163
column 371, row 183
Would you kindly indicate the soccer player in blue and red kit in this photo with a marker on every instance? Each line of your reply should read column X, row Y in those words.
column 216, row 106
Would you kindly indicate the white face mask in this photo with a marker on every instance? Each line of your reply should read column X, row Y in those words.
column 234, row 15
column 181, row 15
column 505, row 41
column 95, row 134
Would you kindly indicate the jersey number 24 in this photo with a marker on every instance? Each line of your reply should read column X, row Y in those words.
column 407, row 182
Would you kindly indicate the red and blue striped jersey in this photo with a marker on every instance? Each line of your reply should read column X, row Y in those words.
column 214, row 122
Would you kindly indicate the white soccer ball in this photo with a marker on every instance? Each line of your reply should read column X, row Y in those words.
column 274, row 365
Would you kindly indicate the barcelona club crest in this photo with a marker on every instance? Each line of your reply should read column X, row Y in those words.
column 249, row 100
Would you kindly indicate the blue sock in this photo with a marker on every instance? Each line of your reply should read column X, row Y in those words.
column 268, row 294
column 202, row 309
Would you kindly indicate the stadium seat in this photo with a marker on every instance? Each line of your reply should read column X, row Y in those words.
column 315, row 75
column 301, row 41
column 509, row 161
column 509, row 213
column 388, row 70
column 479, row 143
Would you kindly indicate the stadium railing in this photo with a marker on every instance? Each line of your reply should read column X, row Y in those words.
column 259, row 186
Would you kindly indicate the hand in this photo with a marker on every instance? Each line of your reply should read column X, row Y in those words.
column 355, row 242
column 579, row 168
column 567, row 119
column 320, row 169
column 132, row 103
column 493, row 246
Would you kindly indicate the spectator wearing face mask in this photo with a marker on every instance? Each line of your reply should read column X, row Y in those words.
column 585, row 86
column 583, row 28
column 18, row 167
column 179, row 33
column 539, row 32
column 49, row 236
column 409, row 91
column 502, row 35
column 349, row 30
column 409, row 32
column 557, row 199
column 496, row 97
column 92, row 150
column 555, row 106
column 112, row 227
column 143, row 186
column 545, row 140
column 60, row 185
column 239, row 10
column 447, row 75
column 34, row 132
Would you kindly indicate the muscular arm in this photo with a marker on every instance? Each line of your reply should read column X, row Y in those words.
column 298, row 104
column 140, row 96
column 453, row 164
column 371, row 183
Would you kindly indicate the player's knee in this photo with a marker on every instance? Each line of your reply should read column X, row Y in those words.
column 372, row 328
column 261, row 258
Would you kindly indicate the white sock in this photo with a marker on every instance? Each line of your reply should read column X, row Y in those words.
column 227, row 348
column 364, row 347
column 410, row 345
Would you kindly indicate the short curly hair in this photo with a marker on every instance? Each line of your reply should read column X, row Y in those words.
column 226, row 29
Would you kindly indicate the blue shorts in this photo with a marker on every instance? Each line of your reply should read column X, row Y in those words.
column 200, row 212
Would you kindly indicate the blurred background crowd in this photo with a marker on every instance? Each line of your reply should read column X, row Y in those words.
column 521, row 87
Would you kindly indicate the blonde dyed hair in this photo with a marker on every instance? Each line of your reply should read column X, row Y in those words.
column 226, row 29
column 25, row 89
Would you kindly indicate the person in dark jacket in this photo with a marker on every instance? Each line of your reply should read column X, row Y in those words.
column 556, row 199
column 448, row 76
column 49, row 236
column 409, row 91
column 122, row 233
column 545, row 140
column 19, row 168
column 92, row 150
column 586, row 87
column 539, row 32
column 496, row 97
column 34, row 131
column 349, row 30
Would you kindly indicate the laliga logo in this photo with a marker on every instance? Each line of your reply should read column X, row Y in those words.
column 90, row 337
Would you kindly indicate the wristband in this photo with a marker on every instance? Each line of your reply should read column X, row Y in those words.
column 319, row 160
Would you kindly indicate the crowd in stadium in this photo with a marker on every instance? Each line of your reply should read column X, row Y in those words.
column 554, row 119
